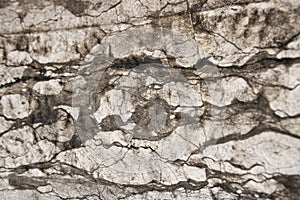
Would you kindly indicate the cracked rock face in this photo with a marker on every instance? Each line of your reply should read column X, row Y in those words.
column 149, row 99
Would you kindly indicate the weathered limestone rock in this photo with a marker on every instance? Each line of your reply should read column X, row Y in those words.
column 51, row 87
column 18, row 58
column 163, row 99
column 15, row 106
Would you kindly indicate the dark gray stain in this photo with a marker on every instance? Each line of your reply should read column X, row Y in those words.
column 86, row 125
column 132, row 61
column 24, row 182
column 276, row 18
column 4, row 3
column 44, row 113
column 76, row 7
column 203, row 62
column 291, row 182
column 111, row 123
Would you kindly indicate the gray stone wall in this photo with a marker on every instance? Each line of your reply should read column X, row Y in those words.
column 161, row 99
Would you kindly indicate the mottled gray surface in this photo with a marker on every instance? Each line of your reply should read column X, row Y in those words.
column 161, row 99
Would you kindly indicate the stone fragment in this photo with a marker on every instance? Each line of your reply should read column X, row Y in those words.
column 15, row 106
column 10, row 74
column 51, row 87
column 18, row 58
column 229, row 89
column 286, row 102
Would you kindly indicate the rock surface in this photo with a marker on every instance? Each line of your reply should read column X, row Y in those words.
column 163, row 99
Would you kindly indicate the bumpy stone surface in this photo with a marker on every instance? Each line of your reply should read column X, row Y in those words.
column 163, row 99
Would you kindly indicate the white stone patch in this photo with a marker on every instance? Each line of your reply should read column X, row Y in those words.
column 293, row 48
column 115, row 102
column 79, row 158
column 2, row 61
column 180, row 144
column 281, row 75
column 181, row 94
column 4, row 124
column 179, row 194
column 172, row 117
column 186, row 51
column 9, row 20
column 15, row 143
column 34, row 172
column 291, row 124
column 18, row 147
column 59, row 45
column 80, row 82
column 276, row 152
column 176, row 93
column 241, row 123
column 114, row 162
column 109, row 137
column 15, row 106
column 291, row 53
column 144, row 166
column 40, row 152
column 44, row 189
column 129, row 126
column 10, row 74
column 268, row 186
column 38, row 16
column 51, row 87
column 73, row 111
column 18, row 58
column 286, row 101
column 4, row 182
column 225, row 91
column 194, row 173
column 26, row 194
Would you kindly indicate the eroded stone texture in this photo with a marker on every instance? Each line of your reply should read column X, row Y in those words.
column 148, row 99
column 15, row 106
